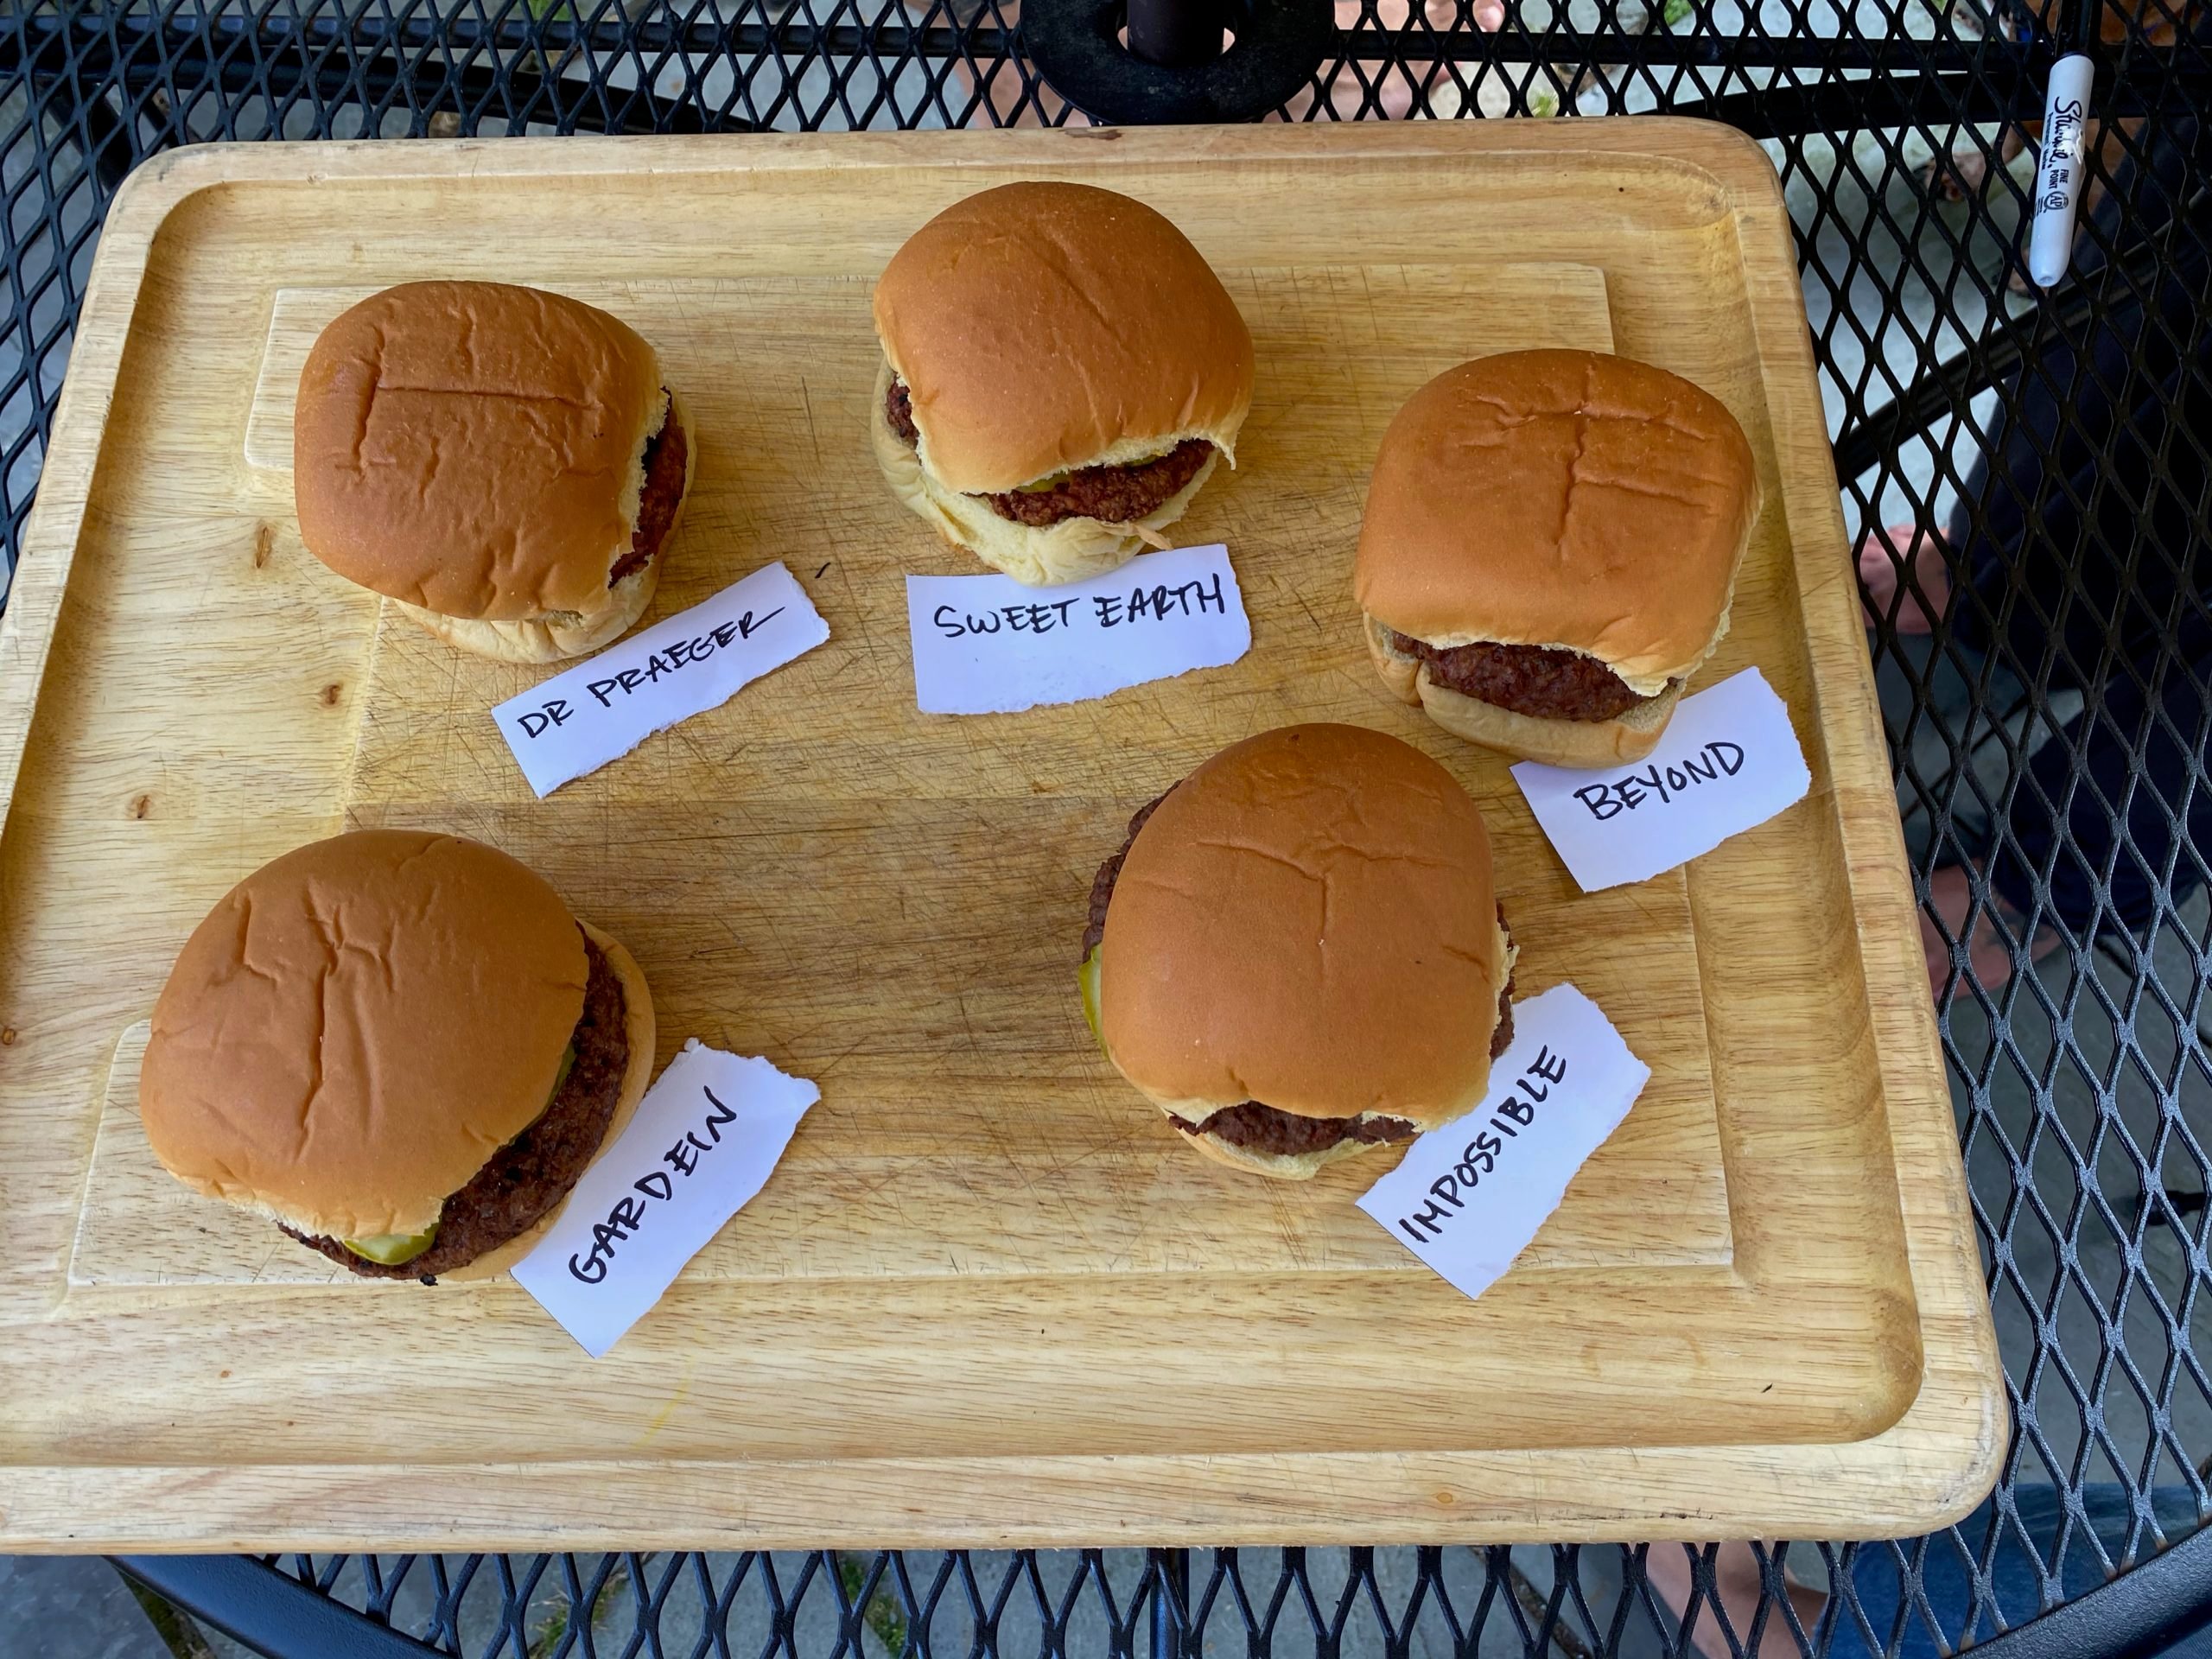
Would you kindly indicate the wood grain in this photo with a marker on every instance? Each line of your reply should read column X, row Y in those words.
column 988, row 1298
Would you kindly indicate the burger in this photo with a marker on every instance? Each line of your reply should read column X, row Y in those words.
column 1061, row 371
column 1298, row 954
column 506, row 465
column 399, row 1047
column 1550, row 545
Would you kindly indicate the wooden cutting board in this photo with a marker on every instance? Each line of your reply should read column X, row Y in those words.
column 988, row 1298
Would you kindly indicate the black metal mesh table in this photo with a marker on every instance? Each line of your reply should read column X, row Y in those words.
column 2049, row 736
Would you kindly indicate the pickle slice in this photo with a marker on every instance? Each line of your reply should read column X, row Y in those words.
column 391, row 1250
column 1087, row 977
column 394, row 1249
column 560, row 1077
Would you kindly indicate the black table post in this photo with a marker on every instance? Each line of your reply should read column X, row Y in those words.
column 1170, row 1602
column 1176, row 34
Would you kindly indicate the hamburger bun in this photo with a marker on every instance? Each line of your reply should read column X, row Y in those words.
column 1045, row 329
column 1282, row 1166
column 1563, row 501
column 1070, row 551
column 479, row 454
column 359, row 1027
column 1307, row 922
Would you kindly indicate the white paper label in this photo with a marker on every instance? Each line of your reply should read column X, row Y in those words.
column 603, row 708
column 1469, row 1197
column 987, row 645
column 703, row 1141
column 1729, row 760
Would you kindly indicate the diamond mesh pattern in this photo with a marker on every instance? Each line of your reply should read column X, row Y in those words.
column 2049, row 734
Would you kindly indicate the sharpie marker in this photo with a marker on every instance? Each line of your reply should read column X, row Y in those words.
column 2058, row 172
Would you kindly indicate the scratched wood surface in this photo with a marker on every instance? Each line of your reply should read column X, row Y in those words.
column 987, row 1297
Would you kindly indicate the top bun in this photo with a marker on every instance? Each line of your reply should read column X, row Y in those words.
column 358, row 1027
column 1562, row 498
column 1307, row 921
column 474, row 448
column 1042, row 328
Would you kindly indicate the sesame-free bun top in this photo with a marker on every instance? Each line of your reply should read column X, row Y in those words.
column 1308, row 921
column 358, row 1027
column 1561, row 498
column 1041, row 328
column 474, row 448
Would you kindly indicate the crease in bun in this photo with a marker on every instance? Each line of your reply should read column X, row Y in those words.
column 1308, row 921
column 476, row 453
column 1564, row 500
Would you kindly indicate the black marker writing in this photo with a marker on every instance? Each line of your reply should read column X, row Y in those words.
column 1448, row 1192
column 1159, row 602
column 681, row 655
column 628, row 1214
column 554, row 712
column 1717, row 759
column 1007, row 618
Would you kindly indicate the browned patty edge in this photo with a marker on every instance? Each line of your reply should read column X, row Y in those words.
column 667, row 454
column 1114, row 495
column 1542, row 681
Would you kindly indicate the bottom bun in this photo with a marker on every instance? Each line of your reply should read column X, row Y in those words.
column 640, row 1029
column 1284, row 1167
column 1581, row 743
column 1070, row 551
column 552, row 639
